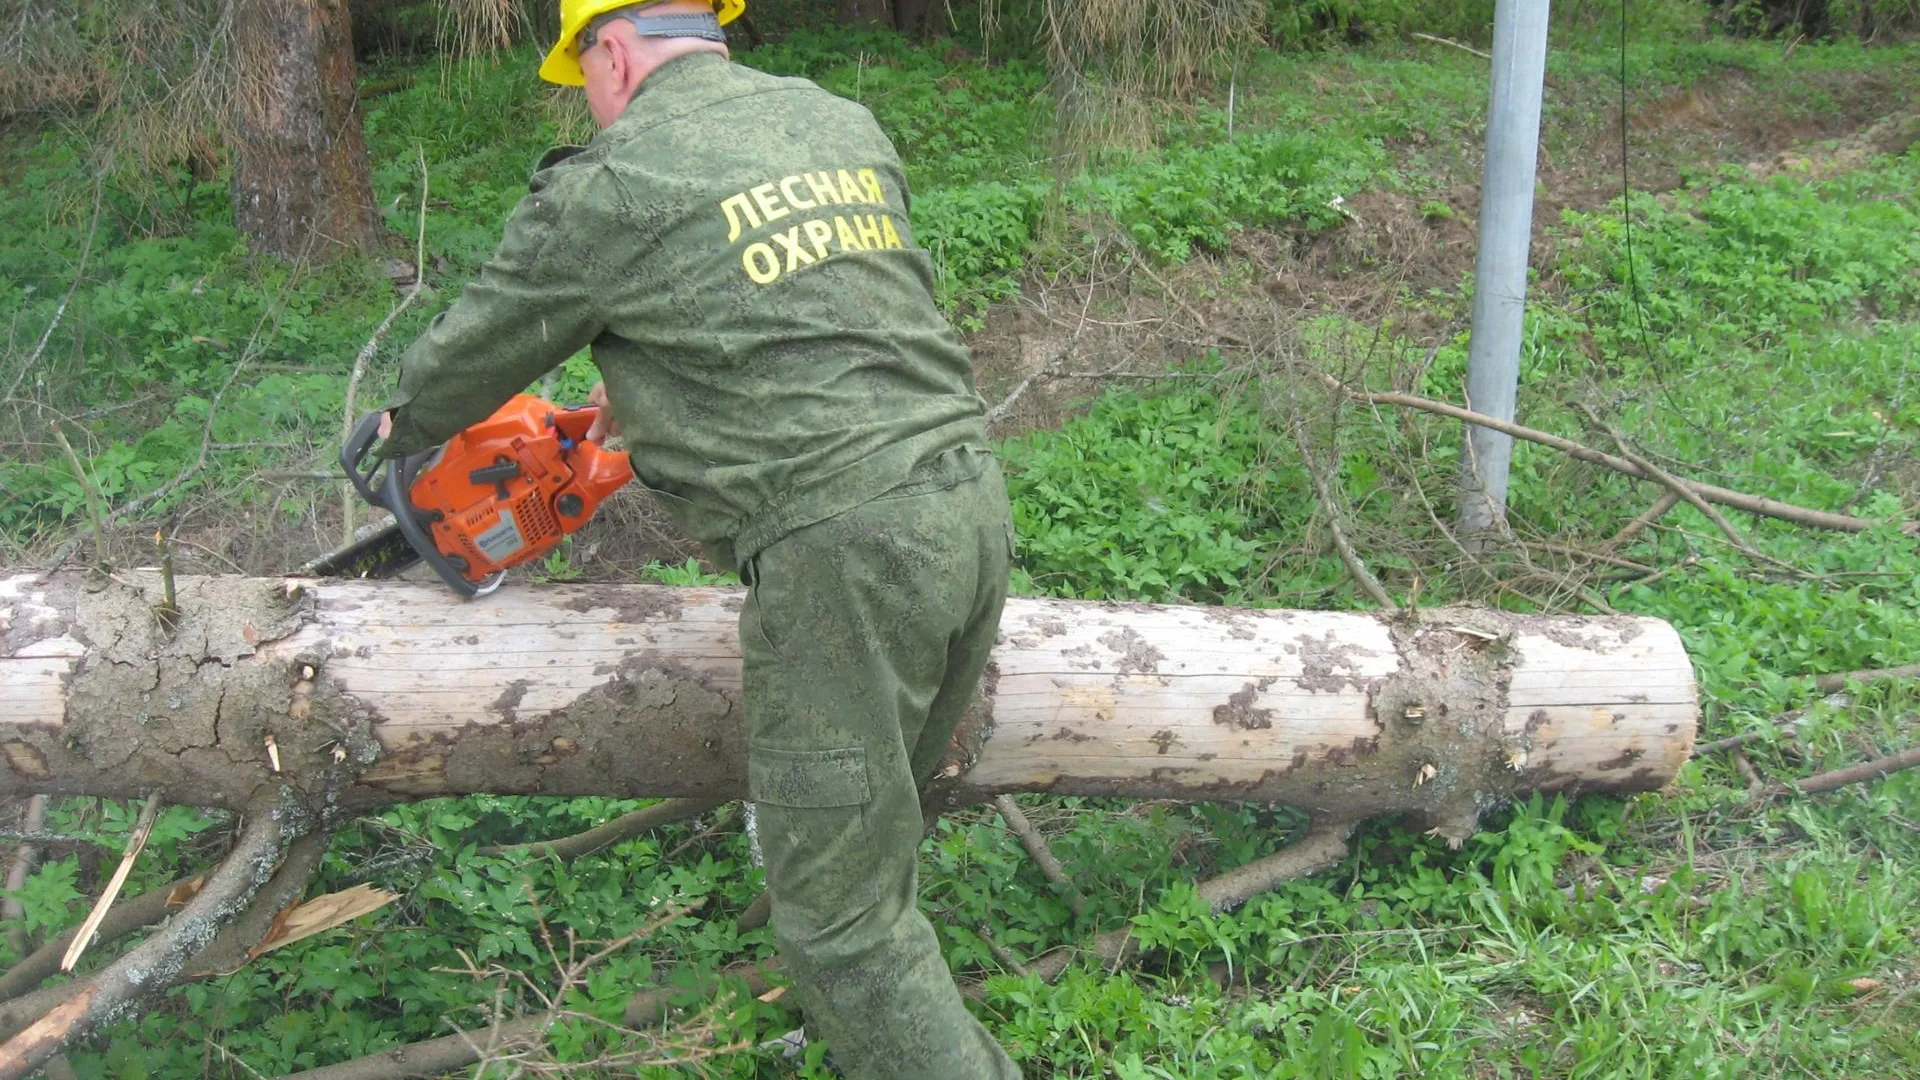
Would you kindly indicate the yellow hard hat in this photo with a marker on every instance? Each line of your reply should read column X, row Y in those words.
column 563, row 60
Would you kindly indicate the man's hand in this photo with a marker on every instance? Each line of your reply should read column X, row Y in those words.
column 604, row 425
column 386, row 424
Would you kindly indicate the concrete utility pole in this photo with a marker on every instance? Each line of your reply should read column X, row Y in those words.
column 1500, row 270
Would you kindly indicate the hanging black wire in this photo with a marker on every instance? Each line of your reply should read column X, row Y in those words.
column 1626, row 209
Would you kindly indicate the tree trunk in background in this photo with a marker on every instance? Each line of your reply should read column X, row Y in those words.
column 363, row 693
column 913, row 17
column 301, row 185
column 874, row 12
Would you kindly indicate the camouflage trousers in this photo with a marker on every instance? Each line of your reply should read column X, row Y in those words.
column 865, row 636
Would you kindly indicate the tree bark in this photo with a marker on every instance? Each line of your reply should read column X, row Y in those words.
column 372, row 693
column 866, row 12
column 301, row 181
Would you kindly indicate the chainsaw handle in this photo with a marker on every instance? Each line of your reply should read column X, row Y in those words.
column 353, row 458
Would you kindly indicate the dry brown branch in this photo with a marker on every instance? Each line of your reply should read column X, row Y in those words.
column 1336, row 525
column 1734, row 742
column 1647, row 517
column 1753, row 504
column 756, row 914
column 1673, row 484
column 625, row 827
column 1827, row 684
column 96, row 516
column 1000, row 952
column 508, row 1040
column 1856, row 774
column 1047, row 370
column 79, row 274
column 135, row 843
column 130, row 915
column 161, row 961
column 649, row 1007
column 1787, row 725
column 1601, row 556
column 1452, row 44
column 1041, row 853
column 349, row 501
column 23, row 863
column 274, row 315
column 1324, row 845
column 1756, row 787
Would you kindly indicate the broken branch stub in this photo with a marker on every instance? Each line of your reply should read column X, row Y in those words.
column 372, row 693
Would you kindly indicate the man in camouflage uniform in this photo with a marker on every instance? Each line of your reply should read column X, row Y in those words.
column 735, row 249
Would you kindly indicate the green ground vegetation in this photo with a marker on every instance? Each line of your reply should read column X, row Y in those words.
column 1751, row 318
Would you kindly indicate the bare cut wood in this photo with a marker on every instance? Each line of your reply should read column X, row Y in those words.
column 136, row 842
column 381, row 692
column 1752, row 504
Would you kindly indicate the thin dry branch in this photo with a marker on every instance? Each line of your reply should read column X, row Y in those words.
column 1651, row 514
column 1336, row 524
column 1452, row 44
column 23, row 863
column 1000, row 952
column 1787, row 725
column 161, row 961
column 1673, row 484
column 1753, row 504
column 275, row 314
column 1324, row 845
column 1827, row 684
column 1048, row 370
column 1756, row 787
column 348, row 500
column 625, row 827
column 79, row 274
column 1856, row 774
column 431, row 1057
column 1042, row 854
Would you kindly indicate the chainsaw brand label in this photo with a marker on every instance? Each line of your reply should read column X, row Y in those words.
column 500, row 542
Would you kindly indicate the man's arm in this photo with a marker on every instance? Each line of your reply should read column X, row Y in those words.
column 529, row 309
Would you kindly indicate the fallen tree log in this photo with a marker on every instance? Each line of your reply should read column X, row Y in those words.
column 359, row 694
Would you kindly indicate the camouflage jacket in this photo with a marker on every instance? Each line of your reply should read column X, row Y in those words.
column 735, row 249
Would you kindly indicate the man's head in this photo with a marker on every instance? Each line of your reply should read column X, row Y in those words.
column 610, row 48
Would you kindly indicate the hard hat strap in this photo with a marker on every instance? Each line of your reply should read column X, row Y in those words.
column 705, row 26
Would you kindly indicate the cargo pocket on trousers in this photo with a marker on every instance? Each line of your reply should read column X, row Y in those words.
column 753, row 618
column 811, row 806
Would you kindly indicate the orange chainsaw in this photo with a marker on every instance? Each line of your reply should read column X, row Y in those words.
column 501, row 493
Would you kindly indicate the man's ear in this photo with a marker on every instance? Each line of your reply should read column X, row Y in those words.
column 620, row 59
